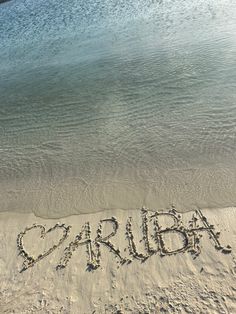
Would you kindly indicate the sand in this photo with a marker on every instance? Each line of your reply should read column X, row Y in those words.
column 118, row 261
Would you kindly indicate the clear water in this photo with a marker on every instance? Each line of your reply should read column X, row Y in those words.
column 117, row 104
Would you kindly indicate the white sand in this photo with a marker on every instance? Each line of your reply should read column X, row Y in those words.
column 177, row 283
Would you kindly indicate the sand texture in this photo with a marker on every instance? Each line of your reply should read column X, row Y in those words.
column 118, row 261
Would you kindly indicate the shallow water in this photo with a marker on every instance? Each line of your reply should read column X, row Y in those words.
column 112, row 104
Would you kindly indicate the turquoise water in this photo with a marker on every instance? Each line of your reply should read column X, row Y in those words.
column 117, row 104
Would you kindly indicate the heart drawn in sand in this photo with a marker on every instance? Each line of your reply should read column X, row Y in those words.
column 30, row 261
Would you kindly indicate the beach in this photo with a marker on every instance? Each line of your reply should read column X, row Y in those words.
column 117, row 156
column 174, row 282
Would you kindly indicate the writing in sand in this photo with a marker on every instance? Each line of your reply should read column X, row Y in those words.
column 154, row 236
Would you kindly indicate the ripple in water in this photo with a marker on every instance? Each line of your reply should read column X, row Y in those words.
column 117, row 104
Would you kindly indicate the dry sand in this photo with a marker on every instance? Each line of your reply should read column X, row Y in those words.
column 150, row 264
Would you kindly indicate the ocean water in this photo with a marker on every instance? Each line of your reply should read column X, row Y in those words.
column 117, row 104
